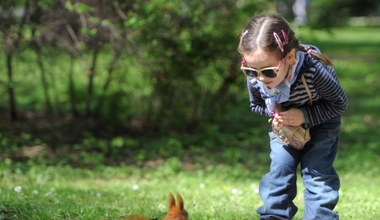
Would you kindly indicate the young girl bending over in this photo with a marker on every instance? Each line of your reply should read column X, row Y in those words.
column 275, row 64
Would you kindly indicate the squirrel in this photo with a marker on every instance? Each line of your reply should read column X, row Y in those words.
column 176, row 210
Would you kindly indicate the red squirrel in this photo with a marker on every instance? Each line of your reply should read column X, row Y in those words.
column 176, row 210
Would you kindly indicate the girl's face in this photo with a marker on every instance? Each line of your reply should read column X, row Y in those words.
column 261, row 59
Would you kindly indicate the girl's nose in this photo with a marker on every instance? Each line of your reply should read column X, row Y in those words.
column 260, row 77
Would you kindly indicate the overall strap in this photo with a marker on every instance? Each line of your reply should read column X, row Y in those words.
column 307, row 89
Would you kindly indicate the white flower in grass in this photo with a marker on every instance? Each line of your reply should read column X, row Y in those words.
column 18, row 189
column 135, row 187
column 234, row 191
column 162, row 206
column 202, row 185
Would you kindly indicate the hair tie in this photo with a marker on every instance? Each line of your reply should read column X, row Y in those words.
column 243, row 62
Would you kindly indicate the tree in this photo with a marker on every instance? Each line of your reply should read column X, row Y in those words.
column 177, row 46
column 12, row 27
column 181, row 42
column 326, row 13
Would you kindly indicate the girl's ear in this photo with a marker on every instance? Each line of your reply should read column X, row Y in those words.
column 291, row 57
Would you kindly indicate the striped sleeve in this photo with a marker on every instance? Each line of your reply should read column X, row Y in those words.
column 256, row 102
column 333, row 99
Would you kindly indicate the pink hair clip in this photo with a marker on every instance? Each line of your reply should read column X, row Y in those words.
column 285, row 37
column 279, row 42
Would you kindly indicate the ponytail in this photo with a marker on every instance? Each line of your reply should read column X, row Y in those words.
column 315, row 53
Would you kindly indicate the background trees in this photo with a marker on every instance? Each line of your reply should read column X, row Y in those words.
column 149, row 63
column 164, row 63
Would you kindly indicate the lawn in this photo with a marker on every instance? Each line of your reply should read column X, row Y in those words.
column 215, row 184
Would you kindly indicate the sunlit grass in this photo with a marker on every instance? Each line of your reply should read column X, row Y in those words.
column 206, row 193
column 109, row 193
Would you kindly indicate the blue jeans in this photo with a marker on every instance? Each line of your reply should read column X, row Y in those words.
column 278, row 187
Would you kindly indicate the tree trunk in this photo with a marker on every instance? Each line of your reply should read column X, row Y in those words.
column 90, row 87
column 45, row 85
column 10, row 88
column 110, row 70
column 37, row 50
column 73, row 100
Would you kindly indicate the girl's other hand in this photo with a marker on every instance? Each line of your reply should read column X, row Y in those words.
column 291, row 117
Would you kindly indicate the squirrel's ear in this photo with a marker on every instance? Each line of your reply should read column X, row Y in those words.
column 180, row 201
column 171, row 200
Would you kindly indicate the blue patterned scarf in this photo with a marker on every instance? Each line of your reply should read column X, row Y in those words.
column 281, row 93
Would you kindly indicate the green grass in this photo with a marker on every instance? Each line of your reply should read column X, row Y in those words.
column 216, row 184
column 214, row 192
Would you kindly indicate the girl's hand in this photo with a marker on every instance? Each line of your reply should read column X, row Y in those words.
column 291, row 117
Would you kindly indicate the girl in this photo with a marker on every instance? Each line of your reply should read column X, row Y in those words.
column 274, row 63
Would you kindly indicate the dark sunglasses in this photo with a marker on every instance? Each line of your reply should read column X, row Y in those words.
column 269, row 72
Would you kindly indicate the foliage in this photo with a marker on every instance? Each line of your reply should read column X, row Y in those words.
column 184, row 44
column 155, row 65
column 325, row 13
column 170, row 49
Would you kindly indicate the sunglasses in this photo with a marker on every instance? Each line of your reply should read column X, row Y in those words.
column 269, row 72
